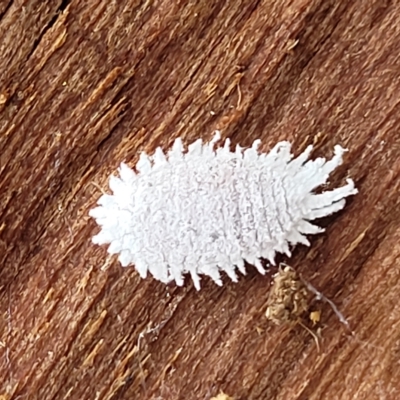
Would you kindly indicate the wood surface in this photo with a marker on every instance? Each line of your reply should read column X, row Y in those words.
column 85, row 85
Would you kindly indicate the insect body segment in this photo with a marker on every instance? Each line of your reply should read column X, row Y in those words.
column 207, row 210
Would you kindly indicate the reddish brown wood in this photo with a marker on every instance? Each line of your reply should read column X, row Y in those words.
column 87, row 84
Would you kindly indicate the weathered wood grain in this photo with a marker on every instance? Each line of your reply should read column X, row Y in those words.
column 85, row 85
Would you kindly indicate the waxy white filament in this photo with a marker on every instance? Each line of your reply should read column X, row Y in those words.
column 210, row 210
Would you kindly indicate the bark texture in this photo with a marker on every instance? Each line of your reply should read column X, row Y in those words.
column 87, row 84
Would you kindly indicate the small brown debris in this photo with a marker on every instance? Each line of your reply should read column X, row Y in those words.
column 3, row 100
column 287, row 300
column 315, row 316
column 222, row 396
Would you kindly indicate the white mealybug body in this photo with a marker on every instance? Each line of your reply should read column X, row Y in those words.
column 209, row 210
